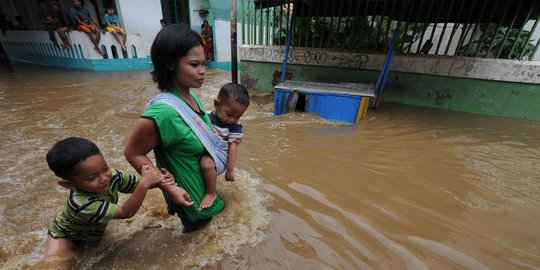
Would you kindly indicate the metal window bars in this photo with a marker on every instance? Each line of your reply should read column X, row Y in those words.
column 475, row 28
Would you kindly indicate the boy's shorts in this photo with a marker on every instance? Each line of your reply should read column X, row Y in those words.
column 86, row 29
column 78, row 243
column 112, row 29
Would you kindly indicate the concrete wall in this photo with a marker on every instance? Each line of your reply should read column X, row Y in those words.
column 465, row 67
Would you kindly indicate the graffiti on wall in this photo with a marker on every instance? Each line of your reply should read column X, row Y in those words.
column 462, row 67
column 302, row 56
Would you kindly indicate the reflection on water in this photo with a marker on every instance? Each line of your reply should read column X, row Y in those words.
column 408, row 188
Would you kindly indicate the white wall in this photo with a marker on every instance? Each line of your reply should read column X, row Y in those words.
column 446, row 38
column 194, row 19
column 141, row 17
column 222, row 37
column 535, row 36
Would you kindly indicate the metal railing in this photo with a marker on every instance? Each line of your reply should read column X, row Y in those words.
column 37, row 43
column 476, row 28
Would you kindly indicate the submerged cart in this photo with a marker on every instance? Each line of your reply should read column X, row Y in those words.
column 346, row 102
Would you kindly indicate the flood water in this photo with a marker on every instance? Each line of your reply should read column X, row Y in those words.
column 407, row 188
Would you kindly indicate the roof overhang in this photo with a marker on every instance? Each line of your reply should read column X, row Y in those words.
column 426, row 11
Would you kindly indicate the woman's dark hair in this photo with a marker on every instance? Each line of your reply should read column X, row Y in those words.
column 67, row 153
column 171, row 43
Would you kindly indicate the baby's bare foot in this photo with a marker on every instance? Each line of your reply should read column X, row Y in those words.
column 207, row 201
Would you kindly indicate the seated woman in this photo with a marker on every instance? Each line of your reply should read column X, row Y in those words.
column 49, row 17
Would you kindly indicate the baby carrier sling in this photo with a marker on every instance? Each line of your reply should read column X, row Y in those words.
column 214, row 145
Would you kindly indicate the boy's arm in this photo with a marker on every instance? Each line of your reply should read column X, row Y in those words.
column 143, row 139
column 231, row 161
column 118, row 24
column 107, row 21
column 92, row 19
column 81, row 23
column 150, row 177
column 132, row 204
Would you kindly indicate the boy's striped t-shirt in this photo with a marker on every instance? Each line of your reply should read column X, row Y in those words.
column 227, row 132
column 85, row 216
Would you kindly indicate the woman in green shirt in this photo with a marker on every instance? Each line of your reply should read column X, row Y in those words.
column 178, row 59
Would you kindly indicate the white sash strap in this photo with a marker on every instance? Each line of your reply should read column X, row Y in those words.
column 214, row 144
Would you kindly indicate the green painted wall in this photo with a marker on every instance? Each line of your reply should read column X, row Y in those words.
column 222, row 9
column 518, row 100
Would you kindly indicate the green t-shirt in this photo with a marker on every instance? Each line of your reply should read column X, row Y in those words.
column 85, row 216
column 179, row 152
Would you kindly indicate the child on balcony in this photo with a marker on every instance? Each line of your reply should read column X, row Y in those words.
column 114, row 27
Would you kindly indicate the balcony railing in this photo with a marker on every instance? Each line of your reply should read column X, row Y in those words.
column 37, row 43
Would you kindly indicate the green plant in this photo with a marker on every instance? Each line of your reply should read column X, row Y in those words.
column 372, row 33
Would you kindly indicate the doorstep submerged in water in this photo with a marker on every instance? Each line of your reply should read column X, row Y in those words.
column 346, row 102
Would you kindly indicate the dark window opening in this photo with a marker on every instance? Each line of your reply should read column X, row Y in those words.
column 301, row 103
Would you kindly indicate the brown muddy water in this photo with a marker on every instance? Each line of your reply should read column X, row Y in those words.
column 408, row 188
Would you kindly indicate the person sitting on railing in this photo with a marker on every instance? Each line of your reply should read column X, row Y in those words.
column 66, row 20
column 21, row 26
column 208, row 46
column 114, row 27
column 86, row 23
column 49, row 17
column 5, row 24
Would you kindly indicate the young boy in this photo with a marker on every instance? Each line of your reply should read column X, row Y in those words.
column 86, row 23
column 231, row 103
column 114, row 27
column 93, row 196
